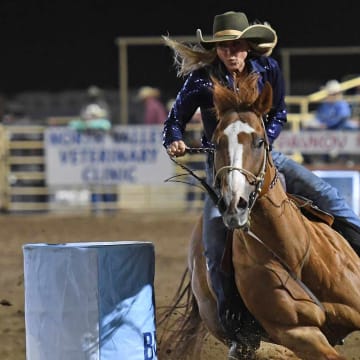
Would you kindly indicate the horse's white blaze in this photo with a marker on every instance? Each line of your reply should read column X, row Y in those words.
column 238, row 186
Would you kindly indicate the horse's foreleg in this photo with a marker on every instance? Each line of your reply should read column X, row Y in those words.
column 205, row 300
column 200, row 284
column 307, row 342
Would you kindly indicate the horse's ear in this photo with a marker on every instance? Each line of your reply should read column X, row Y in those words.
column 224, row 98
column 264, row 101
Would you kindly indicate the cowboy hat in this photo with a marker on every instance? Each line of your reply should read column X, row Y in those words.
column 148, row 91
column 235, row 25
column 332, row 87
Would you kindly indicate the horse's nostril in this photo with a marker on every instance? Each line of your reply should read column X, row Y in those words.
column 242, row 204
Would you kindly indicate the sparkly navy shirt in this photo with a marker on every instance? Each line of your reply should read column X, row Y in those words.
column 197, row 92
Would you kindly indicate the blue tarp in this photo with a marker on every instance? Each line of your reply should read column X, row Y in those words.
column 90, row 301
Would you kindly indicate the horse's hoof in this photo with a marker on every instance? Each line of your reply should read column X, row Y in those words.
column 241, row 352
column 233, row 355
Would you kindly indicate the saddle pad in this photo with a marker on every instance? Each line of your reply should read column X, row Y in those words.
column 310, row 210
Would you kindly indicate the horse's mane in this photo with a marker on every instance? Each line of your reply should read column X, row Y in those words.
column 245, row 94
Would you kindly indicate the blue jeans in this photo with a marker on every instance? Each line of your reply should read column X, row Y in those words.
column 299, row 181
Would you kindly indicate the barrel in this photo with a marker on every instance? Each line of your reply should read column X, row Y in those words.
column 90, row 301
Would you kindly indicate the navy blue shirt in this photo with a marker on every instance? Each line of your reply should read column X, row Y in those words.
column 197, row 92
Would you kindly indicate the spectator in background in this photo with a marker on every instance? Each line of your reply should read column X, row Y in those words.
column 94, row 115
column 154, row 110
column 334, row 113
column 94, row 120
column 95, row 96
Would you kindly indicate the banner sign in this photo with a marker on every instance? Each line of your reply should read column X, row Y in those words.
column 128, row 154
column 319, row 142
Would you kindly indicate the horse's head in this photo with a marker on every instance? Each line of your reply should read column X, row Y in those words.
column 241, row 147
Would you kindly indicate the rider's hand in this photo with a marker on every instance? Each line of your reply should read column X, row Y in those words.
column 176, row 148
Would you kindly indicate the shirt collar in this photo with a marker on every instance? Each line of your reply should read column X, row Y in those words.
column 256, row 66
column 253, row 65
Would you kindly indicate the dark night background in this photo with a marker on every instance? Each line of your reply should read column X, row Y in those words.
column 60, row 45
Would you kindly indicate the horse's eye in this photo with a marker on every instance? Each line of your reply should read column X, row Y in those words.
column 259, row 142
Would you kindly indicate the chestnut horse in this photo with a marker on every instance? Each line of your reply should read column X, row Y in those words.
column 298, row 277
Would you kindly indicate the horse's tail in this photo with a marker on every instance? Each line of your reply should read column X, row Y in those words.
column 180, row 328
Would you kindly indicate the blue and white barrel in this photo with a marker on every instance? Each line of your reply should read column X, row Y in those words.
column 90, row 301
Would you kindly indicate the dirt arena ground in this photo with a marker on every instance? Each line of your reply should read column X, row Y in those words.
column 168, row 231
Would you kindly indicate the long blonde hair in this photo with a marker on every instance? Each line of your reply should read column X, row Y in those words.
column 188, row 58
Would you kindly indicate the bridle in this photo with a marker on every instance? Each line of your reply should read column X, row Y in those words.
column 252, row 179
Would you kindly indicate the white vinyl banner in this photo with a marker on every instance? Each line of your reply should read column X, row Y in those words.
column 319, row 142
column 90, row 301
column 128, row 154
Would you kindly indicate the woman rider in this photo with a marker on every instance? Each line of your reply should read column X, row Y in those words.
column 236, row 50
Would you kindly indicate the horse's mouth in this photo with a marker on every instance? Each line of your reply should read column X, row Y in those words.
column 238, row 220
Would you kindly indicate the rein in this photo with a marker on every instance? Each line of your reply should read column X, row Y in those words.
column 199, row 150
column 288, row 269
column 214, row 197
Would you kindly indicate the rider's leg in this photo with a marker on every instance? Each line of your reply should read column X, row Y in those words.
column 349, row 231
column 301, row 181
column 214, row 240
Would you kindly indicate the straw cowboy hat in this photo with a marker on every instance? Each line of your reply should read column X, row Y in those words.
column 94, row 111
column 148, row 91
column 235, row 25
column 332, row 87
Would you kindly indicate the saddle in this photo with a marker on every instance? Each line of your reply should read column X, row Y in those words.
column 306, row 206
column 310, row 210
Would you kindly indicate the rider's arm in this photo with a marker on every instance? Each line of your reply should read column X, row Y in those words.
column 187, row 101
column 277, row 116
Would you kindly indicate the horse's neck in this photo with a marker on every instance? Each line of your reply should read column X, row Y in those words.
column 273, row 204
column 277, row 222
